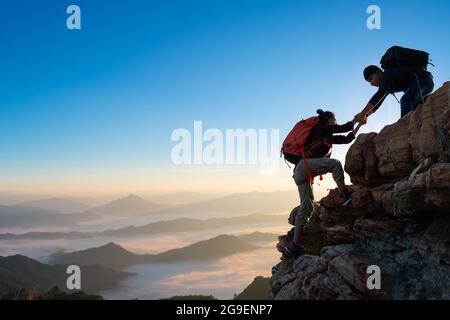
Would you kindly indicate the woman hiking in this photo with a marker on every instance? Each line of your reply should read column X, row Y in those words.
column 317, row 152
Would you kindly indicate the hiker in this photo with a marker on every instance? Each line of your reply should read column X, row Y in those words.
column 404, row 71
column 308, row 146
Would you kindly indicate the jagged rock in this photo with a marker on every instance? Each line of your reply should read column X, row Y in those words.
column 290, row 291
column 310, row 264
column 352, row 267
column 338, row 234
column 377, row 228
column 426, row 123
column 424, row 194
column 399, row 219
column 402, row 146
column 393, row 150
column 361, row 162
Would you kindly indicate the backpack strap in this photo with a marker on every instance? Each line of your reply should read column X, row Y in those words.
column 393, row 93
column 287, row 163
column 420, row 88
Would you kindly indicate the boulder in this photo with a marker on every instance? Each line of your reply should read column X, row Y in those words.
column 399, row 219
column 400, row 147
column 361, row 161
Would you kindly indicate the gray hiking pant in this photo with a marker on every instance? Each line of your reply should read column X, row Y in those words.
column 317, row 166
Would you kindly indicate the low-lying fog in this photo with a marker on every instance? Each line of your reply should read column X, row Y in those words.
column 222, row 277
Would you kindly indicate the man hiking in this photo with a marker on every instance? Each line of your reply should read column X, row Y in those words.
column 404, row 71
column 312, row 160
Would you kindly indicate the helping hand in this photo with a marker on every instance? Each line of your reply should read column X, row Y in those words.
column 361, row 118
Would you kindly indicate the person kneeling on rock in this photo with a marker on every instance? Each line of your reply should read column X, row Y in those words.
column 308, row 146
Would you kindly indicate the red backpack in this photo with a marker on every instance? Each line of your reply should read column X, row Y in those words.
column 294, row 145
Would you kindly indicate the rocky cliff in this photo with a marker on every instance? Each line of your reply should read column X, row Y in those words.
column 399, row 219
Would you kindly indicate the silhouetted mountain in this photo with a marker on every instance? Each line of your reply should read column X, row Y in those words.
column 58, row 204
column 114, row 256
column 47, row 235
column 214, row 248
column 182, row 198
column 53, row 294
column 25, row 217
column 19, row 210
column 189, row 224
column 130, row 206
column 111, row 255
column 259, row 236
column 8, row 198
column 18, row 272
column 240, row 203
column 171, row 226
column 257, row 290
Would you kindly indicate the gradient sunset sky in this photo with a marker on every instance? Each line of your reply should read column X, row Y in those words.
column 91, row 112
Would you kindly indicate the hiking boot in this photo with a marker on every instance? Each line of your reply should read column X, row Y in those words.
column 346, row 198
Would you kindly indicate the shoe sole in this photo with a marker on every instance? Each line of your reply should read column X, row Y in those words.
column 348, row 202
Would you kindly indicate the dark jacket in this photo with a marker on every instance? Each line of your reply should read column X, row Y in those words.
column 396, row 80
column 325, row 134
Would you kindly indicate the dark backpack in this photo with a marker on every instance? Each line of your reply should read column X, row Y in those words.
column 398, row 56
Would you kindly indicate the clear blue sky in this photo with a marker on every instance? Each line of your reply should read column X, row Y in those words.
column 107, row 98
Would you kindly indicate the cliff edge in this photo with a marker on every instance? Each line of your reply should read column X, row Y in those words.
column 399, row 219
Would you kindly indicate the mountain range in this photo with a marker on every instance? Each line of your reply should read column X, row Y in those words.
column 257, row 290
column 233, row 204
column 116, row 257
column 58, row 204
column 17, row 272
column 169, row 226
column 129, row 206
column 58, row 212
column 182, row 198
column 26, row 217
column 240, row 203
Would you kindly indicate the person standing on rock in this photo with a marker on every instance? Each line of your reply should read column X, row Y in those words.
column 317, row 162
column 404, row 71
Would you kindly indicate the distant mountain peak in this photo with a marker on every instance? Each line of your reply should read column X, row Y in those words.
column 129, row 205
column 111, row 247
column 133, row 195
column 111, row 244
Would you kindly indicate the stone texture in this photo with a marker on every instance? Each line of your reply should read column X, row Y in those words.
column 361, row 162
column 399, row 219
column 393, row 150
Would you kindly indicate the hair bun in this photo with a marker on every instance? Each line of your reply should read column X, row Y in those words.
column 319, row 111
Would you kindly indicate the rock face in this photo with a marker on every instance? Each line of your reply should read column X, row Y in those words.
column 399, row 220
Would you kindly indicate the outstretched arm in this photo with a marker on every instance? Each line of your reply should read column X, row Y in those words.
column 340, row 128
column 344, row 139
column 373, row 104
column 366, row 112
